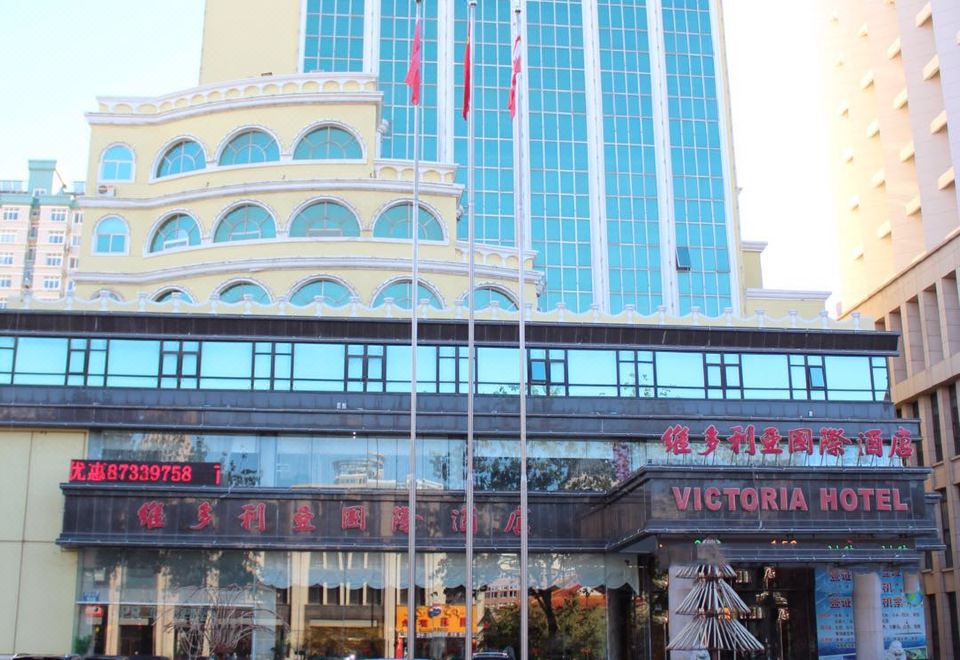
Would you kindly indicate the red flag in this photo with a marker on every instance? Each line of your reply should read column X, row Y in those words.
column 466, row 72
column 512, row 104
column 413, row 73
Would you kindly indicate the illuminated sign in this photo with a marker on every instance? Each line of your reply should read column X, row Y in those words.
column 766, row 498
column 144, row 472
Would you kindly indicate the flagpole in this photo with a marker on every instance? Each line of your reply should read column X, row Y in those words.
column 414, row 295
column 522, row 349
column 471, row 319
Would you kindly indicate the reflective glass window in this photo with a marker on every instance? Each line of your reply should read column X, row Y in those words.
column 400, row 292
column 40, row 361
column 395, row 222
column 245, row 223
column 133, row 363
column 498, row 370
column 318, row 367
column 110, row 236
column 324, row 219
column 328, row 143
column 226, row 365
column 116, row 164
column 236, row 293
column 177, row 231
column 592, row 373
column 184, row 156
column 168, row 295
column 333, row 36
column 848, row 377
column 493, row 183
column 396, row 35
column 679, row 375
column 250, row 147
column 399, row 365
column 484, row 296
column 765, row 376
column 333, row 293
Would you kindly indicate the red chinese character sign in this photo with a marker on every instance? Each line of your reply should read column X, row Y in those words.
column 748, row 443
column 253, row 517
column 353, row 517
column 204, row 516
column 151, row 516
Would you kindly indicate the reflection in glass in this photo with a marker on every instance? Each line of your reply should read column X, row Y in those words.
column 323, row 604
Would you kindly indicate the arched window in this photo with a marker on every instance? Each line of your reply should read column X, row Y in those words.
column 184, row 156
column 400, row 292
column 328, row 143
column 236, row 292
column 177, row 231
column 395, row 223
column 245, row 223
column 100, row 294
column 116, row 164
column 168, row 295
column 484, row 296
column 334, row 294
column 324, row 219
column 250, row 147
column 110, row 236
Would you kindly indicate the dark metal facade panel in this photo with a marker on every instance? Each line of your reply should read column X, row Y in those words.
column 439, row 414
column 885, row 511
column 209, row 326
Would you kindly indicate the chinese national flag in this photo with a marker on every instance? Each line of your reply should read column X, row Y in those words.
column 512, row 104
column 413, row 73
column 466, row 73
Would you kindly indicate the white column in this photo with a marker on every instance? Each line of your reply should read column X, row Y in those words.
column 676, row 591
column 597, row 172
column 661, row 141
column 867, row 615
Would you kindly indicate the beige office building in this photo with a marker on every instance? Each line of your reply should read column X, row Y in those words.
column 892, row 70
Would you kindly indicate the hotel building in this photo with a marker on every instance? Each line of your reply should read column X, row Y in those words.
column 213, row 427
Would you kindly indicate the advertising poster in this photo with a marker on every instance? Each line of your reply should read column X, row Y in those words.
column 903, row 623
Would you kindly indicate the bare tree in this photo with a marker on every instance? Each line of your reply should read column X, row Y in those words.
column 220, row 623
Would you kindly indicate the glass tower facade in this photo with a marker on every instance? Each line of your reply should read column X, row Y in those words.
column 629, row 154
column 624, row 175
column 696, row 157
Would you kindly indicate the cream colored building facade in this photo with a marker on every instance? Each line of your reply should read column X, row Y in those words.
column 892, row 75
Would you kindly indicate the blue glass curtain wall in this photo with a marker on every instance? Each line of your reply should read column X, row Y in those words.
column 367, row 367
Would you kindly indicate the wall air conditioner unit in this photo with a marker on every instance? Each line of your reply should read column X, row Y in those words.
column 104, row 190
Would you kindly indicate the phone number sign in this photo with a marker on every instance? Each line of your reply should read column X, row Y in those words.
column 145, row 472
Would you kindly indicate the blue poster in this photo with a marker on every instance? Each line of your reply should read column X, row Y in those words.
column 904, row 631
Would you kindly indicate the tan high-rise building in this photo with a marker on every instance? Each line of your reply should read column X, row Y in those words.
column 892, row 70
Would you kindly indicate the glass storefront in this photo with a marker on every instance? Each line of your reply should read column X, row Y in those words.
column 322, row 605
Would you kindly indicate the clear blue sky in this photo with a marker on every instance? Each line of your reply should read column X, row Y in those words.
column 59, row 55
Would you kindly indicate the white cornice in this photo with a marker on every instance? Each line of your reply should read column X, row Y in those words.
column 786, row 294
column 301, row 88
column 247, row 189
column 753, row 246
column 111, row 119
column 339, row 263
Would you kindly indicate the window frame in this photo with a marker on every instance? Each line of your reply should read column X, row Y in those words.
column 179, row 143
column 95, row 244
column 226, row 217
column 104, row 161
